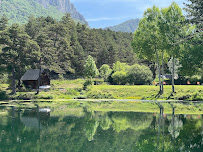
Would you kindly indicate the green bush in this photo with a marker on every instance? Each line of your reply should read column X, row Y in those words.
column 119, row 77
column 118, row 66
column 105, row 71
column 183, row 80
column 139, row 75
column 3, row 95
column 134, row 75
column 60, row 76
column 194, row 79
column 86, row 84
column 3, row 78
column 90, row 68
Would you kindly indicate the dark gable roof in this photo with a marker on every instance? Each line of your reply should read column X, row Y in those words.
column 31, row 75
column 168, row 76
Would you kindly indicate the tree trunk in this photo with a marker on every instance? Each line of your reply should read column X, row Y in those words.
column 13, row 83
column 19, row 82
column 159, row 75
column 173, row 70
column 162, row 72
column 153, row 69
column 39, row 79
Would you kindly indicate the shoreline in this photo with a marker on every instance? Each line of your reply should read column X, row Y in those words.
column 103, row 100
column 112, row 105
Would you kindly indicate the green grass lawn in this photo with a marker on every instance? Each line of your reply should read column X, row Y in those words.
column 62, row 90
column 70, row 89
column 144, row 92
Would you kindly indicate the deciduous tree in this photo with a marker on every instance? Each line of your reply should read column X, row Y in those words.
column 174, row 31
column 90, row 68
column 105, row 71
column 147, row 41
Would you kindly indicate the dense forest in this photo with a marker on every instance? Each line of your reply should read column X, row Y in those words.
column 61, row 46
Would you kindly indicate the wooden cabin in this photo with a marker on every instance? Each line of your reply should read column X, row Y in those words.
column 31, row 77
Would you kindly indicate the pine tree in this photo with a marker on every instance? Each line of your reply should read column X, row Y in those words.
column 18, row 52
column 3, row 22
column 31, row 28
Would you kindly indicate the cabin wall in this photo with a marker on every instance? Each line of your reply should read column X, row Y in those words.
column 30, row 84
column 45, row 81
column 33, row 83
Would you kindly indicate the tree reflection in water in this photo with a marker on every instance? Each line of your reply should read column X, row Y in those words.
column 29, row 130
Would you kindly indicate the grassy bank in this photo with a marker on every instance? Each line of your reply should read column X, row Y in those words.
column 73, row 89
column 60, row 89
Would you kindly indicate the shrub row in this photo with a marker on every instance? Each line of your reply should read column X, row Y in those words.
column 133, row 75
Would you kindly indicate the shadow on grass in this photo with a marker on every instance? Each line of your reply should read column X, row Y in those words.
column 169, row 97
column 158, row 95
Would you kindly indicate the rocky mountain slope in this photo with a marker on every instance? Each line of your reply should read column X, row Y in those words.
column 128, row 26
column 63, row 6
column 20, row 10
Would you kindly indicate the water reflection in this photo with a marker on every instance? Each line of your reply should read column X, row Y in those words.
column 80, row 130
column 31, row 117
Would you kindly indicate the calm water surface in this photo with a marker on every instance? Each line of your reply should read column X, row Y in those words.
column 77, row 130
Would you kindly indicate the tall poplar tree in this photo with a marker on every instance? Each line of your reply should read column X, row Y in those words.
column 147, row 39
column 173, row 31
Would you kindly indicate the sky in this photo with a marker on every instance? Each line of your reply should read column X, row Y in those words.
column 105, row 13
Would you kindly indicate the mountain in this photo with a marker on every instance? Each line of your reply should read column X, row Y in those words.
column 128, row 26
column 18, row 11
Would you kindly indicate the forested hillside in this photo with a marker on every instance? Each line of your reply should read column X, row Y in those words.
column 128, row 26
column 18, row 11
column 61, row 46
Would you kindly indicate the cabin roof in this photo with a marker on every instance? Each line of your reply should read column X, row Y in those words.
column 32, row 74
column 168, row 76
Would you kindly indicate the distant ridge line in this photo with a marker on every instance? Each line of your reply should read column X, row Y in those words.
column 129, row 26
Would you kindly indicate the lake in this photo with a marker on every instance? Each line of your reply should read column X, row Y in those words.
column 70, row 129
